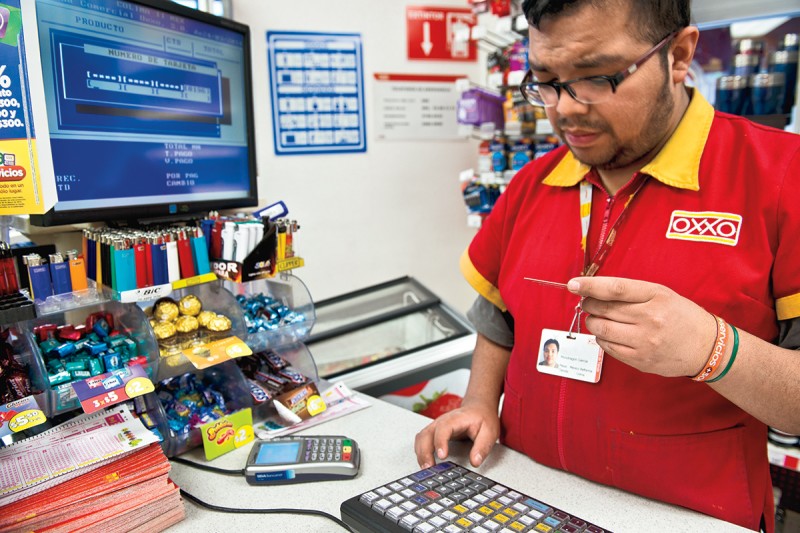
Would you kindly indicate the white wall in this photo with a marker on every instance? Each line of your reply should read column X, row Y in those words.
column 366, row 218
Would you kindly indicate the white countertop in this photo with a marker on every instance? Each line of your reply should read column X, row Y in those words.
column 385, row 434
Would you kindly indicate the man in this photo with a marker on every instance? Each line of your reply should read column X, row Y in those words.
column 550, row 354
column 675, row 213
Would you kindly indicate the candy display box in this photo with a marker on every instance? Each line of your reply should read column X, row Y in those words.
column 23, row 379
column 189, row 400
column 271, row 373
column 187, row 320
column 277, row 311
column 78, row 344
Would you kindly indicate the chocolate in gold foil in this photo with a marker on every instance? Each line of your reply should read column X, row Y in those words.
column 186, row 324
column 164, row 330
column 165, row 310
column 219, row 324
column 204, row 317
column 190, row 305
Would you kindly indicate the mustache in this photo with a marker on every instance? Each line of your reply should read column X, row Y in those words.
column 564, row 123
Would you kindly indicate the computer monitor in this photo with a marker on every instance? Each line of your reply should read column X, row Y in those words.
column 148, row 108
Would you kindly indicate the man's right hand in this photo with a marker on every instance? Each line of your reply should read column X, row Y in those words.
column 472, row 420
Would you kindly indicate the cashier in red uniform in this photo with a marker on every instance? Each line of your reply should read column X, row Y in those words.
column 675, row 228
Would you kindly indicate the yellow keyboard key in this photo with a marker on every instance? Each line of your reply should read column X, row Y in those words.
column 460, row 509
column 463, row 522
column 485, row 510
column 544, row 528
column 516, row 526
column 501, row 518
column 495, row 505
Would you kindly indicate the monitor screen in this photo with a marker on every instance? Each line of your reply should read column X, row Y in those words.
column 148, row 109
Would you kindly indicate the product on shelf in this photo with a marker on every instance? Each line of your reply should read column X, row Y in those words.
column 73, row 352
column 130, row 258
column 189, row 402
column 264, row 313
column 271, row 377
column 15, row 382
column 183, row 403
column 272, row 372
column 183, row 324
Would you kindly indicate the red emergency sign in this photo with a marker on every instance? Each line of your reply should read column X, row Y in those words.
column 434, row 33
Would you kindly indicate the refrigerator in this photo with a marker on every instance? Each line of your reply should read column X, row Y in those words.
column 389, row 336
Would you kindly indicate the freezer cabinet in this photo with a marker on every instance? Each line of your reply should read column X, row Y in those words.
column 388, row 336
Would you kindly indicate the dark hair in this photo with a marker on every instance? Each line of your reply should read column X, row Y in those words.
column 551, row 341
column 652, row 20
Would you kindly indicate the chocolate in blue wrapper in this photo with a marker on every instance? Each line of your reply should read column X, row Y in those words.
column 111, row 361
column 274, row 361
column 95, row 348
column 293, row 376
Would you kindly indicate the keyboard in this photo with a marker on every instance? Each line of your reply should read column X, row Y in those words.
column 450, row 498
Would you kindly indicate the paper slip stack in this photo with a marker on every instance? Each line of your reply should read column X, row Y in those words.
column 103, row 472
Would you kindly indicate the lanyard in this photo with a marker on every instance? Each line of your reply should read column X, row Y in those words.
column 591, row 267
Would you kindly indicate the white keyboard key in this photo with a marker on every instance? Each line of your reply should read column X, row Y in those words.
column 480, row 529
column 505, row 500
column 514, row 495
column 409, row 521
column 409, row 506
column 423, row 513
column 424, row 528
column 526, row 520
column 470, row 504
column 369, row 498
column 500, row 488
column 437, row 521
column 395, row 486
column 520, row 508
column 395, row 513
column 383, row 491
column 448, row 515
column 406, row 481
column 408, row 493
column 447, row 502
column 382, row 505
column 491, row 525
column 396, row 498
column 452, row 528
column 435, row 508
column 480, row 498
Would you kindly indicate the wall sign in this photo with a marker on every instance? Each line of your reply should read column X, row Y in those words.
column 432, row 33
column 416, row 106
column 317, row 92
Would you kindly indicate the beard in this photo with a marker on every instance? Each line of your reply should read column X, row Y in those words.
column 618, row 156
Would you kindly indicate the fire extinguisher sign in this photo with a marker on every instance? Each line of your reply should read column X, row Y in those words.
column 440, row 33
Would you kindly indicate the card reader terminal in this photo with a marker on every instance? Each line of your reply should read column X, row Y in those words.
column 297, row 459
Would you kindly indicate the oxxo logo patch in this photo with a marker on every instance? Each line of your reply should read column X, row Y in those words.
column 705, row 226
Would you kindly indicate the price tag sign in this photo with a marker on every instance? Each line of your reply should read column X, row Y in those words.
column 227, row 433
column 217, row 352
column 104, row 390
column 20, row 415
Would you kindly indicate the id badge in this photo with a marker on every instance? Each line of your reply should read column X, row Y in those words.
column 570, row 355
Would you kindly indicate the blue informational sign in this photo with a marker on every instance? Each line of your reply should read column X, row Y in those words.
column 317, row 92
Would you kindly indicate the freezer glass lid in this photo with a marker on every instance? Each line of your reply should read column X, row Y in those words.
column 385, row 340
column 360, row 307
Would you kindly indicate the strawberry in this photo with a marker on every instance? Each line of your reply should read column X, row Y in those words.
column 441, row 403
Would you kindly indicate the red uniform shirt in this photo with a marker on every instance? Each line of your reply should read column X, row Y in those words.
column 716, row 221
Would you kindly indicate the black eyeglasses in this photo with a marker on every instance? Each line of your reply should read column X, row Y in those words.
column 588, row 90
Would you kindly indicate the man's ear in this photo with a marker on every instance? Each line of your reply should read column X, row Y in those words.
column 682, row 52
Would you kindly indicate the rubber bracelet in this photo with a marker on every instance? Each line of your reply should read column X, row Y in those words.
column 733, row 356
column 717, row 351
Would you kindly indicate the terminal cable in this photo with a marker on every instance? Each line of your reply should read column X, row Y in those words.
column 220, row 509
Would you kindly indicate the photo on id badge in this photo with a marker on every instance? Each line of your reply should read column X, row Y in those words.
column 570, row 355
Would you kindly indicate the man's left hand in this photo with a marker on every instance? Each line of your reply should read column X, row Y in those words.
column 645, row 325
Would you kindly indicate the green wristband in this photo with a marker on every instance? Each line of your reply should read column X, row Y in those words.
column 732, row 359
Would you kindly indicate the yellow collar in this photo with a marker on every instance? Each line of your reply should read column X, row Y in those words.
column 676, row 165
